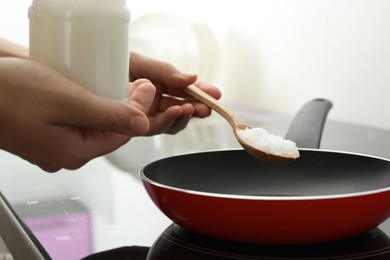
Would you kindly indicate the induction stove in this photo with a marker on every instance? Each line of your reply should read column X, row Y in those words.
column 178, row 243
column 101, row 211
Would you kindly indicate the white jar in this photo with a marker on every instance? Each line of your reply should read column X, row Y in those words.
column 86, row 40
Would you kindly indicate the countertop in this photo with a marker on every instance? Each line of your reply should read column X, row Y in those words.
column 104, row 203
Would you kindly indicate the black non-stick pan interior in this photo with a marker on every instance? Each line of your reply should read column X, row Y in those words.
column 234, row 172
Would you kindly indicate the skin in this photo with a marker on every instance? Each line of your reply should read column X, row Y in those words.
column 55, row 123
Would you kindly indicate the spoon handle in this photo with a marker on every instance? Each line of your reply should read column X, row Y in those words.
column 211, row 102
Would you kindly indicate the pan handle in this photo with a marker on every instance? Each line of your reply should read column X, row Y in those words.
column 307, row 126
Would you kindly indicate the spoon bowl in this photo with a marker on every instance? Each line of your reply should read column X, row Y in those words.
column 236, row 125
column 257, row 153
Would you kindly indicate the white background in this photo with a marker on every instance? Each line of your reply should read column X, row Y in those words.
column 277, row 54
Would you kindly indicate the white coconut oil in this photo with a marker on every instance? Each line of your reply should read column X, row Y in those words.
column 273, row 144
column 86, row 40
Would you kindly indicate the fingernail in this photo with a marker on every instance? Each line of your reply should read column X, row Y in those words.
column 188, row 74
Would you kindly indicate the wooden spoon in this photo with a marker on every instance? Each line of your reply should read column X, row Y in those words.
column 236, row 125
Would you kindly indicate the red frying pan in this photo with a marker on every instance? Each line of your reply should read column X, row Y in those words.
column 227, row 194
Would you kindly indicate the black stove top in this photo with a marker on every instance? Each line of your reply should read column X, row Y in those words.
column 178, row 243
column 102, row 211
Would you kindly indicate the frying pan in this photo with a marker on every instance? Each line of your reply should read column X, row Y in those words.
column 227, row 194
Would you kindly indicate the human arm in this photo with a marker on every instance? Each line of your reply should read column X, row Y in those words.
column 12, row 49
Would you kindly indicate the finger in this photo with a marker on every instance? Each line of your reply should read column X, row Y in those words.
column 209, row 89
column 182, row 121
column 179, row 125
column 141, row 95
column 159, row 72
column 133, row 85
column 98, row 113
column 170, row 120
column 200, row 109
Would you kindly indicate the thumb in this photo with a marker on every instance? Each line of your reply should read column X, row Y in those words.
column 103, row 114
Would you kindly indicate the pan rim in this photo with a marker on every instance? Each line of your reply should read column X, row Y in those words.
column 268, row 198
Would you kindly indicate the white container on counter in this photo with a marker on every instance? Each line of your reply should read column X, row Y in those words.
column 86, row 40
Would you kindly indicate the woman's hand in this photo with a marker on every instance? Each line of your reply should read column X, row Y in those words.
column 54, row 123
column 171, row 109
